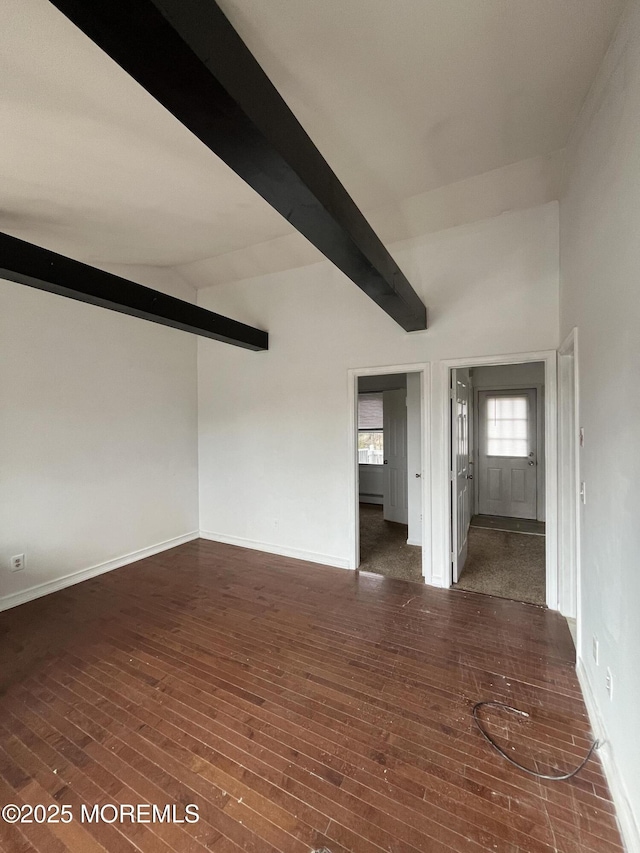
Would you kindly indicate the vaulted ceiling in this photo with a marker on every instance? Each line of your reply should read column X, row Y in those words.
column 401, row 99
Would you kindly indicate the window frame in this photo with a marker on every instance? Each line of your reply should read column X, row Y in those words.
column 371, row 430
column 526, row 439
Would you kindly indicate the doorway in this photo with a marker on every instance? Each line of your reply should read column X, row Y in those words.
column 388, row 447
column 497, row 489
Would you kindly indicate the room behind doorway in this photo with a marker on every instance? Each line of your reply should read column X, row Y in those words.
column 389, row 462
column 497, row 484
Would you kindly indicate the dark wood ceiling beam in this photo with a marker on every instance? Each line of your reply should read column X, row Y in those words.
column 34, row 266
column 187, row 55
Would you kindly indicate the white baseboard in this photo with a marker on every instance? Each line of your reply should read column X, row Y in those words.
column 16, row 598
column 629, row 828
column 414, row 542
column 280, row 550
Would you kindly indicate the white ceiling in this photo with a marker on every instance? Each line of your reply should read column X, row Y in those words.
column 401, row 97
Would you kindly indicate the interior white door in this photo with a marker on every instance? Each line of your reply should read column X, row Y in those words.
column 460, row 471
column 507, row 453
column 394, row 416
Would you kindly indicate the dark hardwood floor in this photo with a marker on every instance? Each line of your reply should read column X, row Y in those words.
column 297, row 706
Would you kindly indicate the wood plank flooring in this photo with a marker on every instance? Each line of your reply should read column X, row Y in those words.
column 299, row 707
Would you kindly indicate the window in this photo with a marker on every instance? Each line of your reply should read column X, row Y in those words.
column 507, row 426
column 370, row 435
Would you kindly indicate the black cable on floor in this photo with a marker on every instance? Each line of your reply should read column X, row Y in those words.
column 557, row 778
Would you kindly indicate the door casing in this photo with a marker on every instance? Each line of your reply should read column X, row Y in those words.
column 570, row 505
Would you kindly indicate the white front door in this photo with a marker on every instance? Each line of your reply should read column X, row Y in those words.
column 507, row 478
column 460, row 472
column 394, row 414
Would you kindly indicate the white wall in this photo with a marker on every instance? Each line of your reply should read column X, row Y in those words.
column 388, row 382
column 600, row 265
column 491, row 287
column 518, row 186
column 371, row 483
column 98, row 435
column 509, row 375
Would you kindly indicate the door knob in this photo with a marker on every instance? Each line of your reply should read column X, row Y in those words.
column 386, row 462
column 469, row 476
column 418, row 475
column 531, row 463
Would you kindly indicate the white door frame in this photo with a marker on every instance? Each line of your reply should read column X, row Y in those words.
column 442, row 488
column 354, row 496
column 569, row 480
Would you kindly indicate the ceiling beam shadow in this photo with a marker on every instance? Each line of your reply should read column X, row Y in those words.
column 34, row 266
column 187, row 55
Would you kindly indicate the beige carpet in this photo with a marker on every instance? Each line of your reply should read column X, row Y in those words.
column 384, row 549
column 509, row 565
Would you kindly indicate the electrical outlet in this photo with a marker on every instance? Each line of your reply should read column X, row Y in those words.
column 596, row 650
column 609, row 683
column 16, row 564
